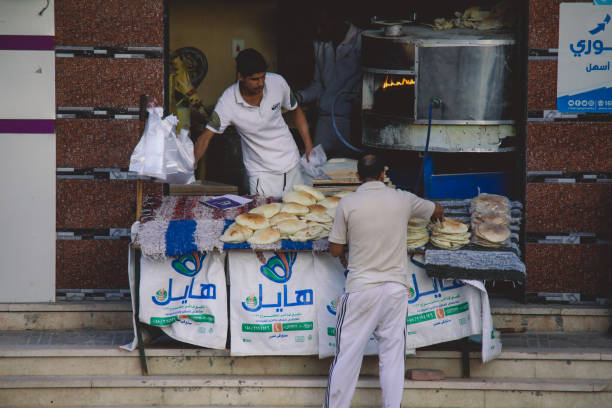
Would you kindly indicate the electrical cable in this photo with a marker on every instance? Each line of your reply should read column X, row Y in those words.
column 333, row 118
column 432, row 102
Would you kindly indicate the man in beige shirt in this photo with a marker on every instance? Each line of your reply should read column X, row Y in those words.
column 373, row 222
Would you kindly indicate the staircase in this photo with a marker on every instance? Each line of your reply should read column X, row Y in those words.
column 557, row 356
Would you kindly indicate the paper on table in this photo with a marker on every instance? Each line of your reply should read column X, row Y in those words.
column 227, row 201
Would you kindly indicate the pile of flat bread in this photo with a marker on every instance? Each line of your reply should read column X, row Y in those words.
column 418, row 235
column 490, row 219
column 305, row 214
column 449, row 234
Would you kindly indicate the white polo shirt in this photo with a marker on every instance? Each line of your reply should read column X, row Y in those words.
column 373, row 221
column 267, row 143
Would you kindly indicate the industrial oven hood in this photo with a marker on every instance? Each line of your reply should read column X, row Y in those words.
column 471, row 72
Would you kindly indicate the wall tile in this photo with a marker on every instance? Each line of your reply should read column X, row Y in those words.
column 571, row 207
column 585, row 268
column 98, row 203
column 109, row 22
column 107, row 82
column 96, row 142
column 544, row 22
column 562, row 146
column 542, row 85
column 92, row 264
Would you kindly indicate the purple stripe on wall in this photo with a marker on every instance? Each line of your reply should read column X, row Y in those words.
column 27, row 125
column 26, row 42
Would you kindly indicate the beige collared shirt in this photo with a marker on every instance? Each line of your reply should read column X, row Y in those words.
column 373, row 222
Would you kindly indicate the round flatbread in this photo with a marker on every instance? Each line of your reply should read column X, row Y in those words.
column 497, row 219
column 290, row 227
column 451, row 226
column 294, row 208
column 445, row 244
column 330, row 202
column 265, row 236
column 331, row 212
column 299, row 197
column 252, row 221
column 317, row 194
column 282, row 216
column 417, row 223
column 307, row 234
column 492, row 232
column 417, row 236
column 342, row 194
column 322, row 218
column 417, row 244
column 236, row 234
column 327, row 226
column 267, row 210
column 317, row 209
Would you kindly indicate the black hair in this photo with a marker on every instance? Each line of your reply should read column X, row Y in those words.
column 249, row 62
column 370, row 166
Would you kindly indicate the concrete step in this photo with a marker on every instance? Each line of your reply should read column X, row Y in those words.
column 100, row 315
column 509, row 316
column 290, row 391
column 88, row 352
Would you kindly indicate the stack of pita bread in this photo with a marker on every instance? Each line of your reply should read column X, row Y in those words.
column 305, row 214
column 449, row 234
column 418, row 235
column 490, row 220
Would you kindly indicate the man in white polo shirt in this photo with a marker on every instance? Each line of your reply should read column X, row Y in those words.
column 254, row 106
column 373, row 222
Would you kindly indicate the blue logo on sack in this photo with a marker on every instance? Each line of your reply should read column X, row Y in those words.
column 189, row 264
column 280, row 262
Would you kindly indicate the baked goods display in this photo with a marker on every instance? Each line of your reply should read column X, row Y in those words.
column 418, row 235
column 305, row 214
column 265, row 236
column 449, row 234
column 236, row 234
column 490, row 219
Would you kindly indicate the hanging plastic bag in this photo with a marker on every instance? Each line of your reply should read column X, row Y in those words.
column 313, row 167
column 147, row 157
column 179, row 158
column 160, row 153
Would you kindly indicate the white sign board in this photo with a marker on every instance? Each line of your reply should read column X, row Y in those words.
column 273, row 307
column 438, row 310
column 584, row 79
column 186, row 297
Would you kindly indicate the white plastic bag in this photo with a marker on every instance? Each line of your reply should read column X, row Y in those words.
column 313, row 167
column 160, row 154
column 179, row 159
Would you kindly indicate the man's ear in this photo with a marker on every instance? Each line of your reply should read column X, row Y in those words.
column 240, row 77
column 358, row 176
column 381, row 177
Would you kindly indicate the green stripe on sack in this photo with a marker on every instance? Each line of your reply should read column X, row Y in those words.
column 163, row 321
column 298, row 326
column 451, row 310
column 423, row 317
column 202, row 318
column 256, row 328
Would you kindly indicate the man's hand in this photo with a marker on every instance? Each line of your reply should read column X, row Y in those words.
column 438, row 214
column 308, row 149
column 336, row 249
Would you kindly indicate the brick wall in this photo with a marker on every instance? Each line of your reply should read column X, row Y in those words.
column 108, row 53
column 577, row 212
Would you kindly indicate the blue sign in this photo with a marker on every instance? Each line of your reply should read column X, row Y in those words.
column 584, row 79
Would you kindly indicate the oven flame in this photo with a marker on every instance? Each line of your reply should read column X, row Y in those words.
column 403, row 82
